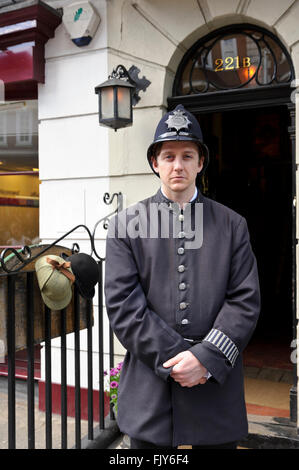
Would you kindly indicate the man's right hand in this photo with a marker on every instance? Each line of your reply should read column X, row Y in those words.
column 187, row 369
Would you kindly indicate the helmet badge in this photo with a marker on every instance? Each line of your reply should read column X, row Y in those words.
column 178, row 120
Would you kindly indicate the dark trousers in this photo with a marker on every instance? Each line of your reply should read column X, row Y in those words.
column 137, row 444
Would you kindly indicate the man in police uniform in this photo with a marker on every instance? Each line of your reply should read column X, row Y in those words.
column 182, row 296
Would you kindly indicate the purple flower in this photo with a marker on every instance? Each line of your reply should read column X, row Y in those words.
column 105, row 372
column 113, row 384
column 113, row 372
column 119, row 366
column 114, row 396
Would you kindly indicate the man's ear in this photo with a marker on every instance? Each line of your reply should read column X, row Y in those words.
column 154, row 163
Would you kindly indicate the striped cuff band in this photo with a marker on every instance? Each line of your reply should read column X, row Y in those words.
column 224, row 343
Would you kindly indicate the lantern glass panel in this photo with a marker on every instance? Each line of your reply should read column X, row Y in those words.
column 107, row 103
column 124, row 102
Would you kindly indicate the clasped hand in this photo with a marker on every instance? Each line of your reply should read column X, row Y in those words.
column 188, row 370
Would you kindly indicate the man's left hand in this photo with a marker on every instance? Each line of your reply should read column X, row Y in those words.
column 187, row 370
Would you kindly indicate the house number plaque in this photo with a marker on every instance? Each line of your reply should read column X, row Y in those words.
column 232, row 63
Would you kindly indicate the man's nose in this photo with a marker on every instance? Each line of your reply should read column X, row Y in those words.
column 178, row 164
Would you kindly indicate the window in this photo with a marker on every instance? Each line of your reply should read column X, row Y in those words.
column 228, row 48
column 19, row 182
column 24, row 127
column 3, row 131
column 239, row 56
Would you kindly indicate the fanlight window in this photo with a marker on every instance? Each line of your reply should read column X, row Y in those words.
column 231, row 59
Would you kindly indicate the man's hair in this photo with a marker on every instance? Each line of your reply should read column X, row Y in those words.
column 157, row 149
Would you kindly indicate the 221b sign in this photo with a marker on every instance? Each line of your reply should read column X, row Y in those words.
column 232, row 63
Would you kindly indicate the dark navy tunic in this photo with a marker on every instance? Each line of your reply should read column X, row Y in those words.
column 161, row 291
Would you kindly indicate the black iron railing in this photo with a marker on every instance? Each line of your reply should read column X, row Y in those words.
column 83, row 308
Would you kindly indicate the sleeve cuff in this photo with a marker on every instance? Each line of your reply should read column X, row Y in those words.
column 224, row 344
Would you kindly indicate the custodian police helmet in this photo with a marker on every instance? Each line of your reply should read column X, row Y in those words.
column 179, row 125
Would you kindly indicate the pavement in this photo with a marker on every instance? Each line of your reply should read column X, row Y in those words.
column 266, row 393
column 40, row 421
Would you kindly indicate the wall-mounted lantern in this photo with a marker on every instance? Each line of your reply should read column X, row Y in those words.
column 118, row 95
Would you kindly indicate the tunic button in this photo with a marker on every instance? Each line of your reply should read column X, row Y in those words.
column 181, row 235
column 185, row 321
column 181, row 217
column 183, row 305
column 182, row 286
column 181, row 251
column 181, row 268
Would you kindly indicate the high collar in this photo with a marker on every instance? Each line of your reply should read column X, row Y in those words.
column 191, row 200
column 159, row 197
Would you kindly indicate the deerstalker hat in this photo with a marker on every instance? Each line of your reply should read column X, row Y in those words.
column 178, row 125
column 86, row 271
column 55, row 278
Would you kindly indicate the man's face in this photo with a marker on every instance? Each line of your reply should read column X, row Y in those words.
column 178, row 164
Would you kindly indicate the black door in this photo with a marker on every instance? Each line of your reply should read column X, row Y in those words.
column 251, row 172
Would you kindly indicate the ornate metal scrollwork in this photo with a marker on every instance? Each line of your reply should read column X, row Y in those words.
column 24, row 255
column 131, row 75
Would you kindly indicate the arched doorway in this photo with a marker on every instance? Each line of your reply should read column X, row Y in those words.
column 237, row 81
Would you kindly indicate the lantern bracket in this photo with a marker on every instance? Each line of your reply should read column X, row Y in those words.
column 131, row 75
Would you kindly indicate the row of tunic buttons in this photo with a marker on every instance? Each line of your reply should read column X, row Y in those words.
column 181, row 269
